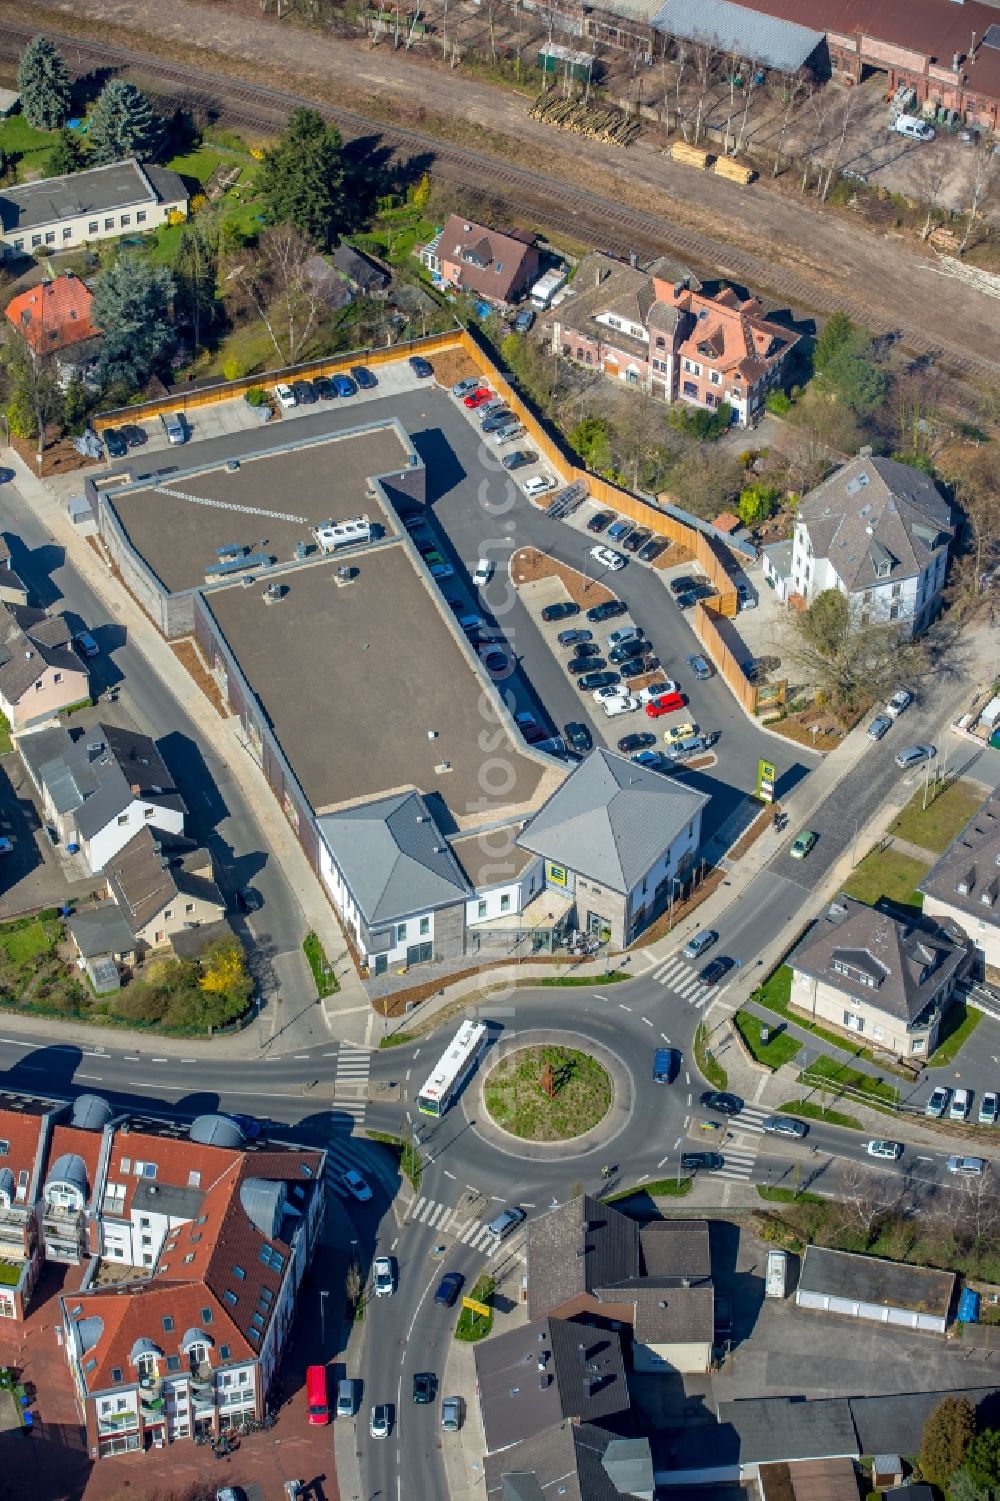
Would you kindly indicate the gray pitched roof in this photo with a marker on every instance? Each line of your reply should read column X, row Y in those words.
column 908, row 964
column 607, row 1242
column 873, row 511
column 94, row 775
column 667, row 1315
column 782, row 1428
column 611, row 820
column 967, row 875
column 740, row 31
column 676, row 1248
column 869, row 1279
column 30, row 641
column 394, row 858
column 143, row 880
column 101, row 930
column 574, row 1462
column 545, row 1371
column 897, row 1422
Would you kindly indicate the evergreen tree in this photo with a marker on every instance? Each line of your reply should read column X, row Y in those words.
column 131, row 303
column 947, row 1435
column 123, row 124
column 44, row 85
column 65, row 155
column 74, row 403
column 301, row 180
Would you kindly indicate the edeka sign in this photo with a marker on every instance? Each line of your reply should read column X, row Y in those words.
column 555, row 874
column 766, row 775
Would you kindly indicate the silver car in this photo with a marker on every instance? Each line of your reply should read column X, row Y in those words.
column 914, row 755
column 966, row 1167
column 451, row 1414
column 880, row 725
column 699, row 944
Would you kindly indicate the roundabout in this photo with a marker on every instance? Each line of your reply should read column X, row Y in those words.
column 547, row 1093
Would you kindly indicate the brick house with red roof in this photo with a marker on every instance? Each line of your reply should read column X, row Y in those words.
column 24, row 1130
column 657, row 330
column 499, row 267
column 54, row 315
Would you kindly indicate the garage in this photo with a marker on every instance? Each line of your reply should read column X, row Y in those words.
column 868, row 1287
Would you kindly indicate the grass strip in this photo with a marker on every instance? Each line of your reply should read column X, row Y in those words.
column 326, row 980
column 406, row 1159
column 710, row 1067
column 473, row 1326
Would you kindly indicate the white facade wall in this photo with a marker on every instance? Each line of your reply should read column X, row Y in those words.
column 686, row 843
column 67, row 234
column 868, row 1020
column 416, row 929
column 915, row 600
column 491, row 902
column 982, row 932
column 106, row 843
column 690, row 1357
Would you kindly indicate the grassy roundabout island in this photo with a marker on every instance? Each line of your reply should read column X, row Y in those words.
column 548, row 1093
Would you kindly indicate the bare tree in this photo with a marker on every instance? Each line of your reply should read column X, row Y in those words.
column 493, row 9
column 733, row 75
column 549, row 10
column 870, row 1198
column 930, row 171
column 274, row 279
column 819, row 106
column 983, row 181
column 787, row 91
column 680, row 68
column 705, row 54
column 839, row 148
column 444, row 30
column 754, row 72
column 980, row 1211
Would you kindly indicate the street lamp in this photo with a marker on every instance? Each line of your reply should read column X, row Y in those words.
column 324, row 1294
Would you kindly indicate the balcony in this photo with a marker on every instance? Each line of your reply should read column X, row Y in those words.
column 201, row 1377
column 151, row 1407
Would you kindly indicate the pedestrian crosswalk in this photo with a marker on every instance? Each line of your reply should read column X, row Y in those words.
column 350, row 1085
column 470, row 1232
column 739, row 1148
column 683, row 981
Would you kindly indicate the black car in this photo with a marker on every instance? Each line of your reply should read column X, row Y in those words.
column 576, row 665
column 364, row 378
column 601, row 521
column 637, row 667
column 249, row 899
column 607, row 611
column 597, row 680
column 578, row 737
column 518, row 459
column 587, row 649
column 688, row 600
column 636, row 540
column 114, row 443
column 574, row 637
column 720, row 1100
column 626, row 650
column 652, row 549
column 702, row 1162
column 561, row 611
column 303, row 392
column 682, row 585
column 421, row 368
column 324, row 388
column 134, row 435
column 497, row 663
column 448, row 1289
column 496, row 420
column 715, row 970
column 424, row 1387
column 636, row 742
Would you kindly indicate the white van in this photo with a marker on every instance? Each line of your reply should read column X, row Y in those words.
column 912, row 128
column 626, row 704
column 776, row 1282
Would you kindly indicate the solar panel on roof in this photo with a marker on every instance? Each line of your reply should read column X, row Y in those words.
column 991, row 37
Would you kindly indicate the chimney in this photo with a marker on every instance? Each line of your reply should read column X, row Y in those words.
column 633, row 259
column 135, row 789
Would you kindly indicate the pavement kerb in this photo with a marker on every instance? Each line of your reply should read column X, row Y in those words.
column 345, row 1436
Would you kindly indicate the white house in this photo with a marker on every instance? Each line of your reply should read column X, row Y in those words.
column 60, row 213
column 964, row 886
column 878, row 531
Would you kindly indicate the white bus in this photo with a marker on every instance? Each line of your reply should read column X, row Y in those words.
column 453, row 1068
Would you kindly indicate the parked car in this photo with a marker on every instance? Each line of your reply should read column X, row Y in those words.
column 606, row 557
column 702, row 1162
column 607, row 684
column 784, row 1125
column 575, row 636
column 591, row 650
column 600, row 521
column 658, row 690
column 880, row 725
column 421, row 368
column 538, row 484
column 606, row 611
column 891, row 1151
column 562, row 610
column 353, row 1183
column 507, row 433
column 625, row 633
column 451, row 1414
column 701, row 667
column 524, row 320
column 304, row 394
column 938, row 1102
column 578, row 737
column 380, row 1422
column 529, row 727
column 636, row 540
column 518, row 459
column 478, row 397
column 682, row 585
column 637, row 741
column 651, row 550
column 86, row 645
column 722, row 1101
column 966, row 1167
column 637, row 667
column 483, row 573
column 900, row 701
column 961, row 1104
column 383, row 1276
column 134, row 435
column 619, row 530
column 494, row 421
column 715, row 970
column 686, row 601
column 363, row 378
column 344, row 386
column 624, row 703
column 652, row 760
column 802, row 844
column 699, row 944
column 463, row 387
column 284, row 395
column 745, row 598
column 678, row 732
column 915, row 755
column 626, row 650
column 448, row 1289
column 324, row 388
column 668, row 703
column 989, row 1107
column 6, row 845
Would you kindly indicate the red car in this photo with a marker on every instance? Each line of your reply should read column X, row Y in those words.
column 669, row 703
column 477, row 398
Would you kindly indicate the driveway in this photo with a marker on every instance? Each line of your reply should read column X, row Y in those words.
column 34, row 874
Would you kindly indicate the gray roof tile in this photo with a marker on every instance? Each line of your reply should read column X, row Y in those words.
column 890, row 1284
column 574, row 1462
column 740, row 31
column 607, row 1239
column 967, row 875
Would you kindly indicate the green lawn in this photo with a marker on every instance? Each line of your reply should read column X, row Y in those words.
column 6, row 743
column 28, row 939
column 18, row 138
column 957, row 1026
column 890, row 875
column 779, row 1195
column 10, row 1276
column 780, row 1048
column 407, row 1160
column 810, row 1112
column 609, row 979
column 515, row 1095
column 935, row 827
column 660, row 1188
column 473, row 1326
column 709, row 1066
column 775, row 994
column 198, row 165
column 326, row 980
column 396, row 1039
column 876, row 1092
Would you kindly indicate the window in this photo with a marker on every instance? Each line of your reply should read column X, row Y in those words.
column 660, row 342
column 481, row 909
column 35, row 240
column 4, row 1147
column 168, row 914
column 93, row 227
column 401, row 932
column 230, row 1297
column 67, row 234
column 239, row 1273
column 189, row 1258
column 116, row 1373
column 143, row 1218
column 50, row 237
column 425, row 926
column 122, row 819
column 505, row 902
column 257, row 1320
column 499, row 267
column 206, row 1315
column 853, row 1022
column 140, row 217
column 189, row 906
column 878, row 1032
column 18, row 244
column 147, row 1240
column 223, row 1352
column 168, row 1323
column 173, row 1362
column 109, row 225
column 253, row 1334
column 614, row 323
column 715, row 377
column 126, row 220
column 57, row 677
column 39, row 685
column 126, row 1164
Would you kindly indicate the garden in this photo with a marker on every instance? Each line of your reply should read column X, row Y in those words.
column 548, row 1093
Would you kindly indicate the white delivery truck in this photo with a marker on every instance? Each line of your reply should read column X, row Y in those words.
column 776, row 1283
column 912, row 128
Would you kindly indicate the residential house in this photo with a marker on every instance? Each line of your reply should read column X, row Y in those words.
column 587, row 1260
column 104, row 941
column 574, row 1461
column 54, row 317
column 60, row 213
column 754, row 1432
column 963, row 887
column 877, row 530
column 619, row 839
column 12, row 587
column 547, row 1372
column 882, row 1292
column 654, row 328
column 886, row 979
column 364, row 275
column 40, row 673
column 24, row 1126
column 494, row 265
column 101, row 788
column 160, row 892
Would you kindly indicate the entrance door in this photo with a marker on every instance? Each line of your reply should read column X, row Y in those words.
column 381, row 964
column 419, row 953
column 594, row 922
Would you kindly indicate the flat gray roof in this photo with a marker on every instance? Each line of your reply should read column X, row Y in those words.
column 355, row 679
column 317, row 482
column 100, row 190
column 869, row 1279
column 736, row 29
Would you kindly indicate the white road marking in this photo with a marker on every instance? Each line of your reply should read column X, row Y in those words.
column 409, row 1071
column 687, row 1076
column 665, row 1037
column 647, row 1021
column 665, row 1159
column 623, row 1006
column 643, row 1179
column 159, row 1060
column 98, row 1077
column 677, row 1142
column 449, row 1175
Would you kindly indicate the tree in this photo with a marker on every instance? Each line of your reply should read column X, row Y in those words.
column 123, row 124
column 757, row 503
column 273, row 279
column 224, row 976
column 421, row 192
column 131, row 302
column 786, row 90
column 34, row 398
column 195, row 267
column 65, row 156
column 43, row 82
column 974, row 474
column 932, row 166
column 948, row 1432
column 301, row 179
column 852, row 660
column 591, row 439
column 846, row 358
column 838, row 332
column 869, row 1198
column 74, row 403
column 984, row 176
column 982, row 1460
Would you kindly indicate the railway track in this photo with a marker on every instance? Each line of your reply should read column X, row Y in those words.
column 583, row 215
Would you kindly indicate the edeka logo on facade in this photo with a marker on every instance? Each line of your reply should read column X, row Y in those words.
column 555, row 875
